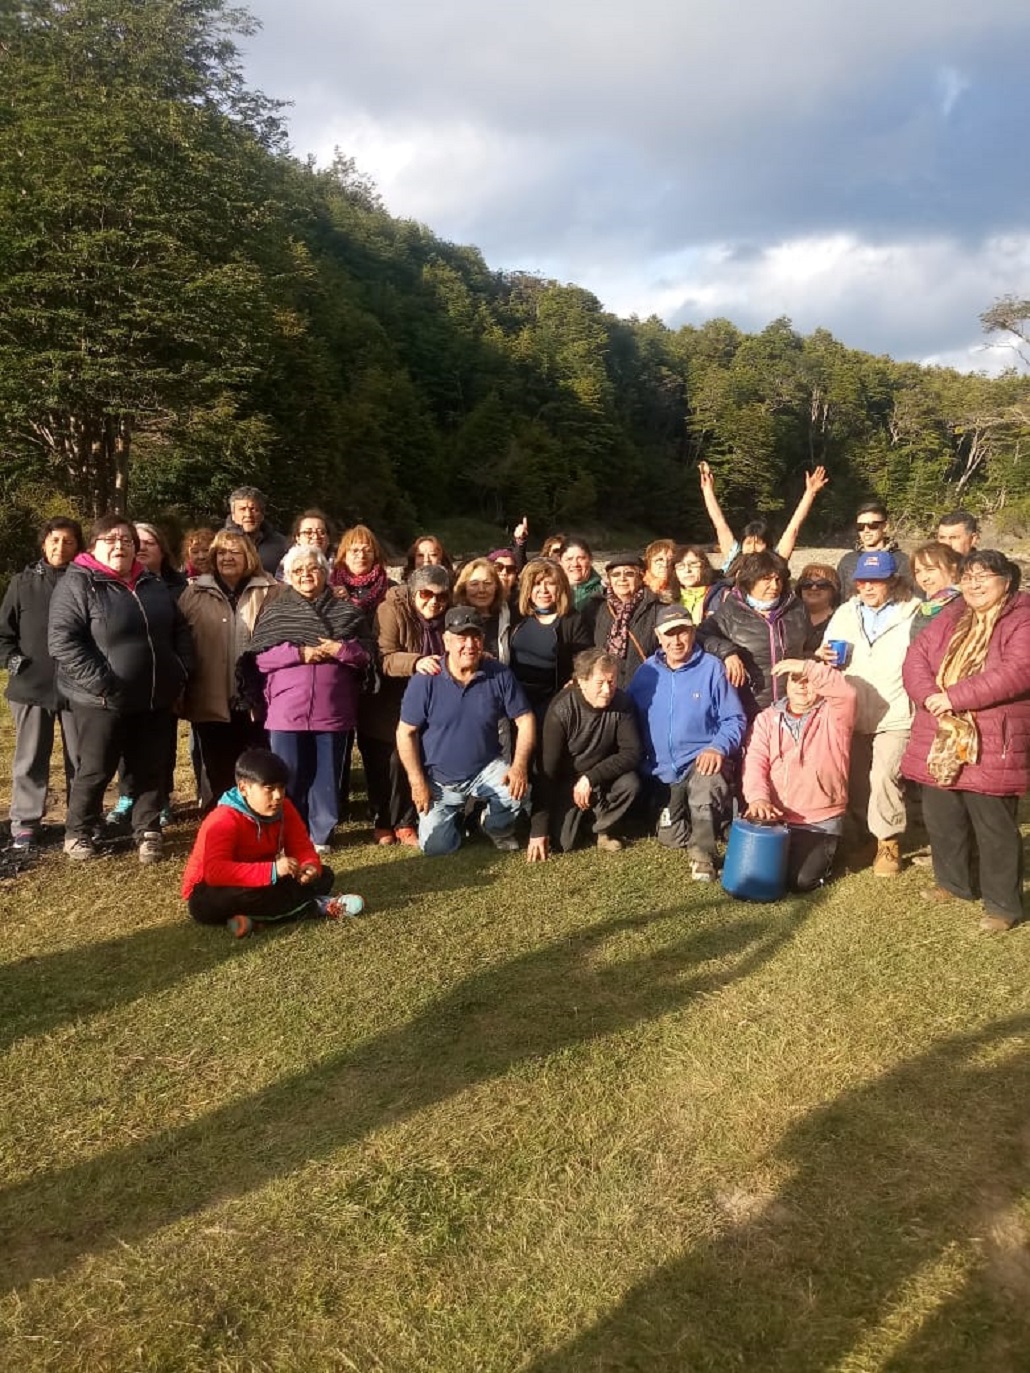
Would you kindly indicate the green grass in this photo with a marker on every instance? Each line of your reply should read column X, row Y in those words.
column 579, row 1116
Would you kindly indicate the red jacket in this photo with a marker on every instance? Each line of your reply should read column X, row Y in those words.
column 236, row 848
column 999, row 697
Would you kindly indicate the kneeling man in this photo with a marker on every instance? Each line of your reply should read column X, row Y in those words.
column 589, row 754
column 796, row 766
column 692, row 722
column 449, row 743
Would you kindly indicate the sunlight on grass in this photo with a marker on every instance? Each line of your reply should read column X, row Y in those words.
column 587, row 1115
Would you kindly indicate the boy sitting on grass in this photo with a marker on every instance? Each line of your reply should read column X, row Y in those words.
column 253, row 859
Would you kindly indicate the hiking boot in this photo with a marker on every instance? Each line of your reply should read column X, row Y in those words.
column 151, row 847
column 239, row 926
column 995, row 924
column 938, row 896
column 118, row 816
column 407, row 836
column 888, row 858
column 702, row 870
column 382, row 837
column 79, row 849
column 607, row 843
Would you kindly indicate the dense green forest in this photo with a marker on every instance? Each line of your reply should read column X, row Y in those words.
column 184, row 306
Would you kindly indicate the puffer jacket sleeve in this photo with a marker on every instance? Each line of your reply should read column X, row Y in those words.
column 1005, row 676
column 71, row 643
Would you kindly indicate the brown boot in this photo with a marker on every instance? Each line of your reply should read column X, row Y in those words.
column 888, row 858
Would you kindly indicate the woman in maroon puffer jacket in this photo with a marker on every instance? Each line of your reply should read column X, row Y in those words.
column 968, row 674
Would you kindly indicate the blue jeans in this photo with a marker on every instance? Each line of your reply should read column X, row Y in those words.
column 315, row 760
column 439, row 830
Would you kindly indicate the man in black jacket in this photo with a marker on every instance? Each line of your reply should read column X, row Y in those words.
column 35, row 701
column 247, row 516
column 589, row 753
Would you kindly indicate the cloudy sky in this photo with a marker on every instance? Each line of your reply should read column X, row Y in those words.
column 860, row 167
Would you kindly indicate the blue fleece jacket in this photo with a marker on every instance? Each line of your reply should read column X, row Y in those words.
column 683, row 711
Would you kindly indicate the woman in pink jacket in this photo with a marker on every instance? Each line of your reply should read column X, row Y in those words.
column 796, row 766
column 968, row 674
column 311, row 649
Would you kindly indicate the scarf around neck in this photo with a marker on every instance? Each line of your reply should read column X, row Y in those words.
column 621, row 612
column 366, row 589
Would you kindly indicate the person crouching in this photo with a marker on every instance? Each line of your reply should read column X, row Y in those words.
column 796, row 766
column 253, row 859
column 589, row 754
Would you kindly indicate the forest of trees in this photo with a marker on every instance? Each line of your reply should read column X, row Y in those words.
column 185, row 306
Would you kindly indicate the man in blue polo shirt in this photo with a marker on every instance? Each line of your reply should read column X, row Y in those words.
column 692, row 724
column 449, row 744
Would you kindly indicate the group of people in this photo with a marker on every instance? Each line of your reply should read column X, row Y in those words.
column 663, row 691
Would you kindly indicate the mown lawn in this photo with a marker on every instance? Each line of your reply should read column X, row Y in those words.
column 581, row 1116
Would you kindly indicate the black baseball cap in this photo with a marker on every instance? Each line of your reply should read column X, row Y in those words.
column 462, row 619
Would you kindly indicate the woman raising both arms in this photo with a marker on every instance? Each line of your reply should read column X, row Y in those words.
column 756, row 536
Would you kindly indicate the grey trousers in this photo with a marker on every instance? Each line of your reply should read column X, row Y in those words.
column 33, row 746
column 690, row 810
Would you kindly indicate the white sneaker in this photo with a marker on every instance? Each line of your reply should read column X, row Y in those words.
column 702, row 870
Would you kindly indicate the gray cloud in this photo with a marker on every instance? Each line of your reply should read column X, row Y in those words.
column 600, row 142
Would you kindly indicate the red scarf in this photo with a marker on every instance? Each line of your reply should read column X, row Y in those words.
column 367, row 589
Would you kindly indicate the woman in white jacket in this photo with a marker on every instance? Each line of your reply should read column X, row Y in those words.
column 876, row 625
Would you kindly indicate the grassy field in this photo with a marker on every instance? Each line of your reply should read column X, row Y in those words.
column 581, row 1116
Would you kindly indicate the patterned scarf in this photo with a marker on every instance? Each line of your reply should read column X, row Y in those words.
column 366, row 590
column 621, row 612
column 957, row 740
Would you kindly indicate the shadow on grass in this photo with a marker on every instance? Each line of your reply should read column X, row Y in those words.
column 886, row 1179
column 560, row 995
column 39, row 994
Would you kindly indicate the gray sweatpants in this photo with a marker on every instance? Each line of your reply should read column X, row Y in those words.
column 30, row 773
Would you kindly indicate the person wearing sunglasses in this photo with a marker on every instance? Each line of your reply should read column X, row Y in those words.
column 409, row 633
column 874, row 535
column 819, row 589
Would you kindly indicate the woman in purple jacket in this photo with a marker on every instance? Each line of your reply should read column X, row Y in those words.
column 968, row 674
column 312, row 649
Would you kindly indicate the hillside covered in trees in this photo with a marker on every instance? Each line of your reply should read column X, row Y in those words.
column 184, row 306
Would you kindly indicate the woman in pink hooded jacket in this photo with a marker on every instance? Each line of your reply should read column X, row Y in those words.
column 796, row 766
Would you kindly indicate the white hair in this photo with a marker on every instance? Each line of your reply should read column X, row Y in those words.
column 303, row 553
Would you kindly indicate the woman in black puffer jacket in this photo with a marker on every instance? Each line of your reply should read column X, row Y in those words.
column 123, row 653
column 760, row 622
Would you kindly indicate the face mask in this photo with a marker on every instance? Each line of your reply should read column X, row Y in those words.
column 756, row 604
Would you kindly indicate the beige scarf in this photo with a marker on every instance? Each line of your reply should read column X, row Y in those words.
column 957, row 740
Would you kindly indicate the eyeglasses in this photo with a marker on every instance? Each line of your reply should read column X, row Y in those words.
column 870, row 524
column 979, row 578
column 424, row 595
column 115, row 538
column 508, row 568
column 815, row 585
column 311, row 534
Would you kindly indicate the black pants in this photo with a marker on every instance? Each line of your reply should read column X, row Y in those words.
column 389, row 793
column 286, row 899
column 221, row 743
column 951, row 819
column 105, row 736
column 809, row 858
column 608, row 806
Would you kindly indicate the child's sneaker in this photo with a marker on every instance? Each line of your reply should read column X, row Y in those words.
column 337, row 907
column 239, row 926
column 118, row 816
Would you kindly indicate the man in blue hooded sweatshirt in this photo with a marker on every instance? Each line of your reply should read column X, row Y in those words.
column 692, row 725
